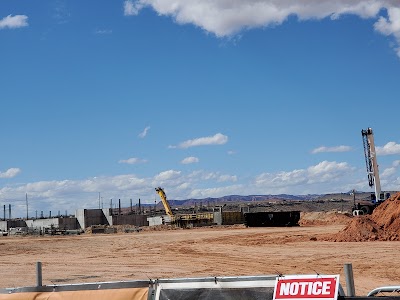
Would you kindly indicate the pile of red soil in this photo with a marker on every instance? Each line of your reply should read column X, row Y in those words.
column 382, row 225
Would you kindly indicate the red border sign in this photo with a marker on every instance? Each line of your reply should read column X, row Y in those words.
column 312, row 287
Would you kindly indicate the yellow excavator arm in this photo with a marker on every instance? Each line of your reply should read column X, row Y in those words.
column 165, row 202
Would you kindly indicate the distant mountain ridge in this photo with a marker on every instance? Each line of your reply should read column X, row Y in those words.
column 239, row 198
column 269, row 197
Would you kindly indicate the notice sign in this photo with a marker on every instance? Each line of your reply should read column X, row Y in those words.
column 313, row 287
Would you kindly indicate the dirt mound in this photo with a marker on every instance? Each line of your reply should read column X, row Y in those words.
column 359, row 229
column 387, row 214
column 382, row 225
column 324, row 218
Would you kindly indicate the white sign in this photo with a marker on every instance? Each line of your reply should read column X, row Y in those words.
column 304, row 287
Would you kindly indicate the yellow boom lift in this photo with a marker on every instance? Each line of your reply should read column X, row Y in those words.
column 165, row 202
column 184, row 220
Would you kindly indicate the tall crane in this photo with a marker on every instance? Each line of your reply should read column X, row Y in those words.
column 372, row 165
column 165, row 202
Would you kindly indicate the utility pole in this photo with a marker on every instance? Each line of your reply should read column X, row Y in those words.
column 354, row 198
column 26, row 198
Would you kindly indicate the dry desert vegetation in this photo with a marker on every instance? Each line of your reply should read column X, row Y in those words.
column 322, row 244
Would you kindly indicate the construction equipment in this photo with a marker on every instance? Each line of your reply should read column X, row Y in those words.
column 184, row 220
column 165, row 202
column 373, row 173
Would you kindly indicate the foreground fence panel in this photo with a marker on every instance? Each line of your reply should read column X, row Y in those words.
column 200, row 288
column 122, row 290
column 113, row 294
column 216, row 288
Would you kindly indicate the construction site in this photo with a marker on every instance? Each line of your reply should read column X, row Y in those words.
column 110, row 220
column 129, row 254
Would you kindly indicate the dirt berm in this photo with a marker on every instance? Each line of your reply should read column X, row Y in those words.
column 382, row 225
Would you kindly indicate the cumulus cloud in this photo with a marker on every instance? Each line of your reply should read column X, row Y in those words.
column 73, row 194
column 167, row 175
column 391, row 171
column 323, row 172
column 132, row 161
column 16, row 21
column 211, row 192
column 226, row 18
column 10, row 173
column 227, row 178
column 390, row 25
column 132, row 8
column 389, row 149
column 144, row 132
column 281, row 179
column 323, row 149
column 217, row 139
column 326, row 171
column 324, row 177
column 388, row 172
column 189, row 160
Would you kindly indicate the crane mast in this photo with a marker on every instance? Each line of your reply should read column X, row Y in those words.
column 165, row 202
column 371, row 163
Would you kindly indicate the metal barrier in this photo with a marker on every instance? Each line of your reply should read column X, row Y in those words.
column 129, row 290
column 216, row 288
column 385, row 289
column 200, row 288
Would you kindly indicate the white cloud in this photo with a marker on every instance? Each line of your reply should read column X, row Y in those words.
column 103, row 31
column 323, row 149
column 132, row 8
column 327, row 171
column 323, row 172
column 388, row 173
column 389, row 149
column 167, row 175
column 72, row 194
column 226, row 18
column 132, row 161
column 217, row 139
column 190, row 160
column 390, row 25
column 144, row 132
column 227, row 178
column 324, row 177
column 10, row 173
column 216, row 192
column 14, row 21
column 281, row 179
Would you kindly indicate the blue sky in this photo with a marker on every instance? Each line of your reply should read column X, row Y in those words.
column 203, row 98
